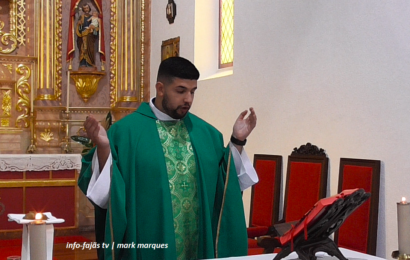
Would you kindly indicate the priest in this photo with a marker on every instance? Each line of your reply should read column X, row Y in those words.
column 163, row 184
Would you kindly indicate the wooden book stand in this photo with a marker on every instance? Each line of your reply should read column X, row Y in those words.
column 311, row 233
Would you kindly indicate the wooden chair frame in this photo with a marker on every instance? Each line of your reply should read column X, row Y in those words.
column 277, row 185
column 374, row 199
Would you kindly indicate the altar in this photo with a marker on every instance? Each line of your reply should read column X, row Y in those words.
column 41, row 183
column 350, row 254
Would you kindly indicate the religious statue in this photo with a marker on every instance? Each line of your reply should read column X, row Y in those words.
column 87, row 35
column 86, row 29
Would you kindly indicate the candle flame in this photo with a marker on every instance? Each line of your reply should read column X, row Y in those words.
column 39, row 216
column 403, row 200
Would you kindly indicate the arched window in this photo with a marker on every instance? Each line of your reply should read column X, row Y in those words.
column 226, row 19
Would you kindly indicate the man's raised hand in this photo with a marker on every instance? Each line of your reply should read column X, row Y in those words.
column 244, row 126
column 96, row 132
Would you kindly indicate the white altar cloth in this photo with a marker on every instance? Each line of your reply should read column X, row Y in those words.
column 19, row 218
column 39, row 162
column 349, row 254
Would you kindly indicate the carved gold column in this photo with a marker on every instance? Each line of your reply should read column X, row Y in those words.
column 49, row 50
column 128, row 58
column 48, row 132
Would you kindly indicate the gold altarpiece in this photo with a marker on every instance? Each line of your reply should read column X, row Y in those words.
column 41, row 103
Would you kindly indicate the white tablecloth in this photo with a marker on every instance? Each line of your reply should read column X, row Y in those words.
column 39, row 162
column 351, row 255
column 19, row 218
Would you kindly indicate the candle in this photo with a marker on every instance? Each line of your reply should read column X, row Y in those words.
column 38, row 218
column 403, row 223
column 68, row 89
column 37, row 234
column 32, row 100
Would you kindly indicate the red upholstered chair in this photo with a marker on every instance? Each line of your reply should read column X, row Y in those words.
column 359, row 231
column 265, row 198
column 306, row 183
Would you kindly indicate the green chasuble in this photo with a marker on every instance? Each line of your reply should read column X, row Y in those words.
column 180, row 162
column 140, row 216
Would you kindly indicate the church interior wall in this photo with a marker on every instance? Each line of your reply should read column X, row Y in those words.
column 333, row 73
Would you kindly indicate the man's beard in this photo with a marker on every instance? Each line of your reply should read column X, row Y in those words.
column 171, row 112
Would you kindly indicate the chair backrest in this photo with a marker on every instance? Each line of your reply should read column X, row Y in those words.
column 266, row 193
column 306, row 181
column 359, row 232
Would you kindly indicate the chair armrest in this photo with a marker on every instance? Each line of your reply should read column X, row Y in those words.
column 268, row 243
column 257, row 231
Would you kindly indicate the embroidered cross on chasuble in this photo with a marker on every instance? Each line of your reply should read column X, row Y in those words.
column 181, row 168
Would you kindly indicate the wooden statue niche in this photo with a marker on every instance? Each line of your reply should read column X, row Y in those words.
column 86, row 30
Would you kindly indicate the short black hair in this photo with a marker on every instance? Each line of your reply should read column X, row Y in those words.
column 176, row 67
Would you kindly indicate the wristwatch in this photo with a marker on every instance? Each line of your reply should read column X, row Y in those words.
column 237, row 142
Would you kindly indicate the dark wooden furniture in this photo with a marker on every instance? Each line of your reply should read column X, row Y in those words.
column 306, row 181
column 265, row 197
column 359, row 232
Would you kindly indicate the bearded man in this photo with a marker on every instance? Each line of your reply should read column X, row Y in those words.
column 157, row 178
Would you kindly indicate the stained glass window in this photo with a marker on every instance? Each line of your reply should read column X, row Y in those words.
column 226, row 19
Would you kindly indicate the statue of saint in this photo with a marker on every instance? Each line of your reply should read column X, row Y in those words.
column 86, row 28
column 87, row 31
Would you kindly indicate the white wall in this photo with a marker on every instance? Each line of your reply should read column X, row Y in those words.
column 161, row 30
column 333, row 73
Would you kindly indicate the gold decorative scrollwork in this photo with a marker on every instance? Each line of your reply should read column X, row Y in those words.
column 86, row 83
column 9, row 67
column 113, row 53
column 6, row 107
column 21, row 24
column 6, row 103
column 47, row 135
column 58, row 49
column 23, row 89
column 5, row 38
column 142, row 49
column 5, row 122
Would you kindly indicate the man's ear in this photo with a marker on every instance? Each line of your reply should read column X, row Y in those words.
column 160, row 89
